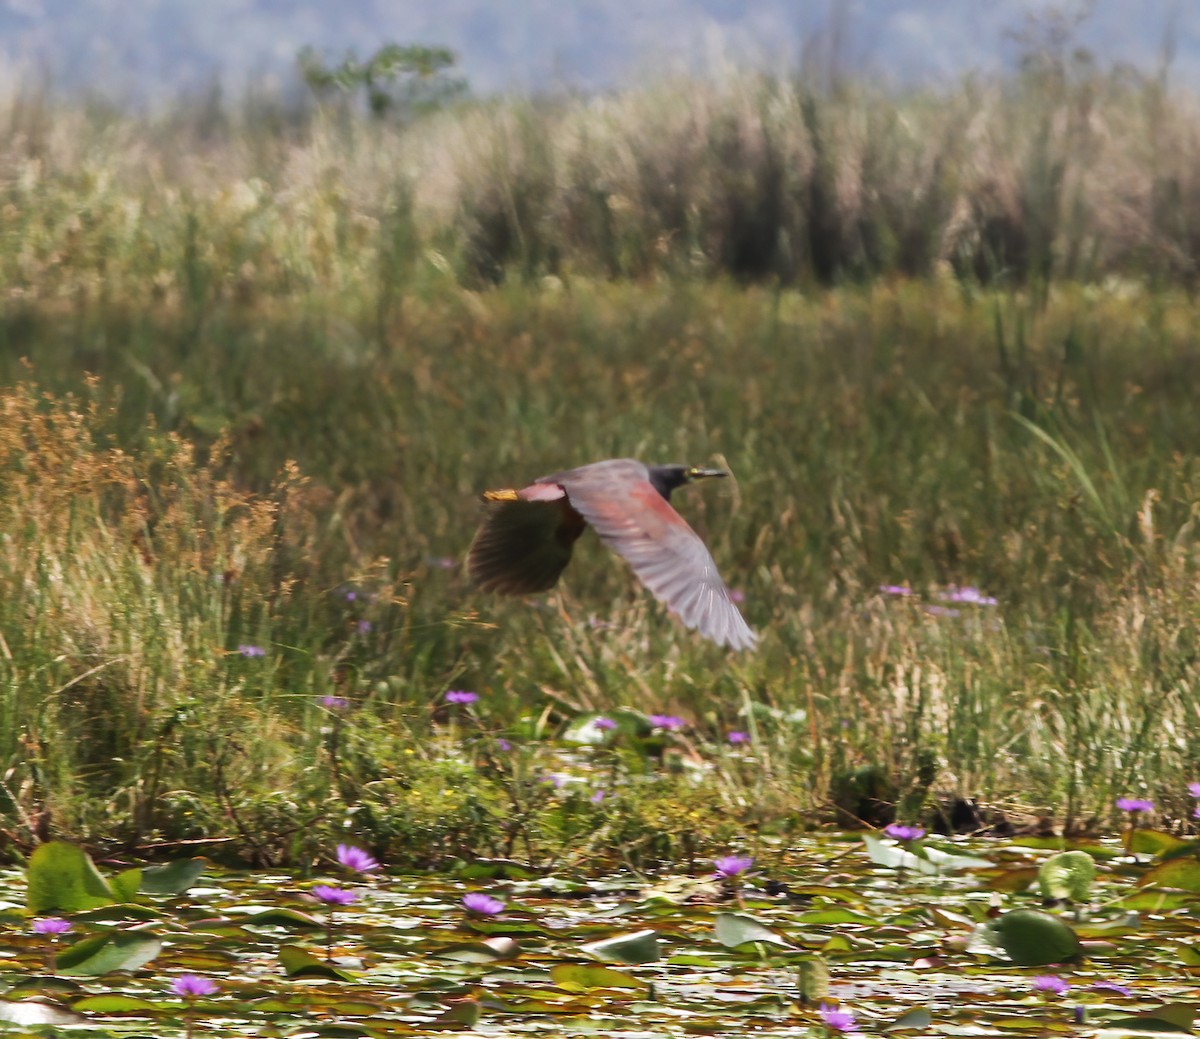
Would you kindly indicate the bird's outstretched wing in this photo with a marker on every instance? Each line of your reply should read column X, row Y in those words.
column 525, row 540
column 669, row 558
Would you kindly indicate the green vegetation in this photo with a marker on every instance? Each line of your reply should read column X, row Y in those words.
column 257, row 367
column 829, row 934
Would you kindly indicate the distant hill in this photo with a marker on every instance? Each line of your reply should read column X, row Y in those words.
column 146, row 48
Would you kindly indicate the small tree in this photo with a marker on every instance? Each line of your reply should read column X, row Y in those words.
column 400, row 82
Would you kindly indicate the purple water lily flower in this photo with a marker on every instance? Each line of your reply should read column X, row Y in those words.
column 1134, row 804
column 1050, row 983
column 251, row 651
column 335, row 703
column 738, row 737
column 461, row 696
column 597, row 797
column 606, row 724
column 895, row 589
column 356, row 859
column 837, row 1020
column 670, row 722
column 503, row 744
column 192, row 985
column 484, row 905
column 364, row 627
column 51, row 925
column 730, row 866
column 1194, row 789
column 901, row 832
column 333, row 896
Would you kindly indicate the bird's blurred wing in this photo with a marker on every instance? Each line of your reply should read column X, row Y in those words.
column 666, row 554
column 524, row 542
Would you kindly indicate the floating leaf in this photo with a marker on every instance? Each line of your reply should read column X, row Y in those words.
column 918, row 1018
column 836, row 916
column 1069, row 874
column 813, row 980
column 637, row 947
column 102, row 953
column 494, row 869
column 1181, row 1014
column 1162, row 845
column 125, row 884
column 173, row 878
column 734, row 929
column 119, row 913
column 895, row 857
column 1189, row 955
column 465, row 1014
column 489, row 951
column 1181, row 874
column 284, row 917
column 1171, row 1017
column 114, row 1004
column 62, row 877
column 580, row 977
column 1033, row 939
column 945, row 860
column 30, row 1013
column 1010, row 879
column 300, row 963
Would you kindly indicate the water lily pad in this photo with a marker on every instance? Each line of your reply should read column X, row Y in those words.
column 1172, row 1017
column 172, row 878
column 734, row 929
column 283, row 917
column 300, row 963
column 580, row 977
column 895, row 857
column 464, row 1014
column 62, row 877
column 1181, row 874
column 1163, row 845
column 813, row 980
column 919, row 1019
column 103, row 953
column 491, row 950
column 114, row 1004
column 494, row 869
column 1069, row 875
column 30, row 1013
column 637, row 947
column 120, row 913
column 946, row 860
column 125, row 885
column 1032, row 939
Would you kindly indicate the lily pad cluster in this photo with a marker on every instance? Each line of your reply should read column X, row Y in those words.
column 831, row 935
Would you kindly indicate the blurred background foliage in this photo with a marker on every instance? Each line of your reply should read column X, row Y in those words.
column 259, row 360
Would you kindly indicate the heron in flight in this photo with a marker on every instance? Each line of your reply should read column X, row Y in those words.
column 526, row 537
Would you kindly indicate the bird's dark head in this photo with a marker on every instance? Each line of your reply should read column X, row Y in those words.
column 666, row 478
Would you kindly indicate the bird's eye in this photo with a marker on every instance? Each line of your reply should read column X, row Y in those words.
column 692, row 473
